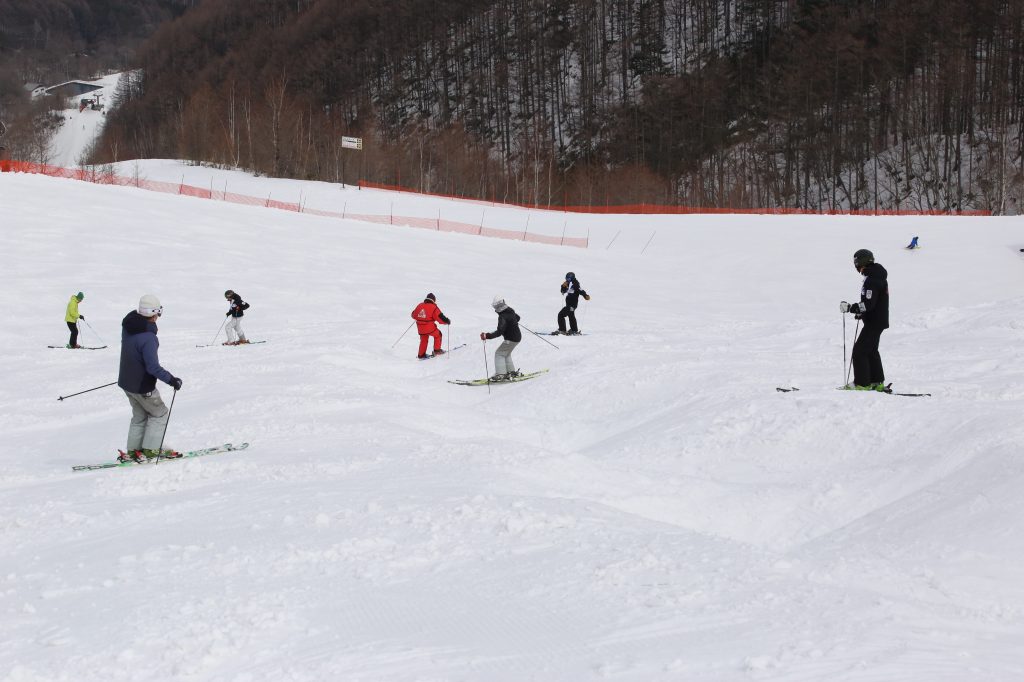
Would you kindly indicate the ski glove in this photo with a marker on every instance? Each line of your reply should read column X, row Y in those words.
column 483, row 336
column 81, row 317
column 176, row 383
column 844, row 307
column 586, row 297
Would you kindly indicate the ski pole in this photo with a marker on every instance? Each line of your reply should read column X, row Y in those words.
column 856, row 329
column 538, row 336
column 403, row 333
column 160, row 451
column 845, row 373
column 487, row 368
column 94, row 333
column 86, row 391
column 215, row 335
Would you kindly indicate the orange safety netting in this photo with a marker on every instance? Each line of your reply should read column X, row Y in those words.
column 438, row 224
column 664, row 209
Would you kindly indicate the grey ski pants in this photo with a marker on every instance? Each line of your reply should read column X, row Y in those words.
column 503, row 357
column 149, row 421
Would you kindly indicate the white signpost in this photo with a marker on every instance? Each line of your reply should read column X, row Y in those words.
column 349, row 143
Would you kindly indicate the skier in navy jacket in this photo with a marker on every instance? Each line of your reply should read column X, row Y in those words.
column 140, row 368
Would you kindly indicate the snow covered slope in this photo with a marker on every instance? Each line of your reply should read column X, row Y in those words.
column 81, row 127
column 650, row 509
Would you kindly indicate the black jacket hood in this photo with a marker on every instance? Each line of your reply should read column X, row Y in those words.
column 133, row 323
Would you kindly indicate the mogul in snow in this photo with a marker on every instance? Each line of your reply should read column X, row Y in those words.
column 72, row 316
column 873, row 312
column 572, row 290
column 140, row 368
column 427, row 316
column 508, row 330
column 236, row 309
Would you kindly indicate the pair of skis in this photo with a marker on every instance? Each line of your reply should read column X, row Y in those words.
column 490, row 382
column 482, row 382
column 227, row 447
column 208, row 345
column 450, row 350
column 79, row 348
column 888, row 390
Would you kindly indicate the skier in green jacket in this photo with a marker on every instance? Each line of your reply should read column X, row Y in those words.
column 72, row 317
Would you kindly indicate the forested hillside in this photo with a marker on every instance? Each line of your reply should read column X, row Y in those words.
column 46, row 42
column 42, row 40
column 859, row 104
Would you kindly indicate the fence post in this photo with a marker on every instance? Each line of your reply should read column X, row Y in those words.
column 527, row 226
column 648, row 242
column 481, row 230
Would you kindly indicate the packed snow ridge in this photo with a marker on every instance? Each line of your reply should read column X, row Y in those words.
column 649, row 509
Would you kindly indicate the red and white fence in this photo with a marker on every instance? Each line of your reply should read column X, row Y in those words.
column 439, row 224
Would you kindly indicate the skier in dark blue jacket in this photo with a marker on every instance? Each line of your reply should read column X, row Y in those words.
column 140, row 368
column 873, row 312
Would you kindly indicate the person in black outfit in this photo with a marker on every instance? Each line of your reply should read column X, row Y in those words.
column 572, row 290
column 236, row 309
column 873, row 312
column 508, row 329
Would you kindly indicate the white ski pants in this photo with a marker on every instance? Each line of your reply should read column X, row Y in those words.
column 233, row 327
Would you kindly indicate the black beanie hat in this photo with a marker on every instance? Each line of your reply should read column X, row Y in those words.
column 431, row 297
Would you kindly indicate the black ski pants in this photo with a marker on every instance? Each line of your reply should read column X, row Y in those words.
column 867, row 363
column 569, row 312
column 73, row 326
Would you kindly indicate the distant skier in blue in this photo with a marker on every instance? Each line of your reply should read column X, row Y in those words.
column 913, row 244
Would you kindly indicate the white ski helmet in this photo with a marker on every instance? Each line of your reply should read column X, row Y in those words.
column 498, row 304
column 149, row 305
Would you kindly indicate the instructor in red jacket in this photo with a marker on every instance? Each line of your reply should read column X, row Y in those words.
column 427, row 315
